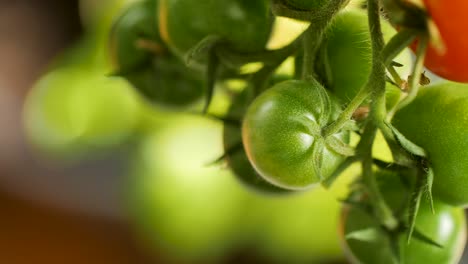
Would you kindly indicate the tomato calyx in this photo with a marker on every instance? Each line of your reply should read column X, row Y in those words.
column 405, row 14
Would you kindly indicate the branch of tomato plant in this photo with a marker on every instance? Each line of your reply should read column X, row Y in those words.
column 311, row 36
column 376, row 88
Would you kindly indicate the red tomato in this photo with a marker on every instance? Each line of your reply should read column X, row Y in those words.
column 452, row 22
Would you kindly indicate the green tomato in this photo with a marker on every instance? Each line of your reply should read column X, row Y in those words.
column 168, row 83
column 70, row 108
column 158, row 75
column 136, row 23
column 292, row 229
column 237, row 160
column 347, row 47
column 245, row 25
column 446, row 227
column 437, row 121
column 189, row 211
column 279, row 134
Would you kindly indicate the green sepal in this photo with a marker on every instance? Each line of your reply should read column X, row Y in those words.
column 339, row 147
column 201, row 51
column 317, row 157
column 370, row 235
column 407, row 144
column 415, row 202
column 428, row 192
column 418, row 235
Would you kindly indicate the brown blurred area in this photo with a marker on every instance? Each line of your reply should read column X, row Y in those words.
column 33, row 228
column 36, row 234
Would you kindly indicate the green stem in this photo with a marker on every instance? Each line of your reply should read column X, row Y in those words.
column 313, row 36
column 395, row 75
column 416, row 74
column 313, row 33
column 311, row 41
column 348, row 112
column 377, row 116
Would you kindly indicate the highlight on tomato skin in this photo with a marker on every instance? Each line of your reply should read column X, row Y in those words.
column 436, row 121
column 451, row 21
column 279, row 138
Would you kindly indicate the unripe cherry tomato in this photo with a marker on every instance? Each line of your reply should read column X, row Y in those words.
column 245, row 25
column 156, row 73
column 237, row 160
column 279, row 139
column 437, row 121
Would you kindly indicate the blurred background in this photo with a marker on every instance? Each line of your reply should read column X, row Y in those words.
column 89, row 173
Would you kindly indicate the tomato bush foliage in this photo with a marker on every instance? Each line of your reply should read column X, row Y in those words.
column 447, row 228
column 352, row 78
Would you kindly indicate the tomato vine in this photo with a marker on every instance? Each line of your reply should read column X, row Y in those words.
column 295, row 134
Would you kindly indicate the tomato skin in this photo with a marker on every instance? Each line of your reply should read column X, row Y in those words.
column 348, row 49
column 161, row 78
column 436, row 121
column 135, row 23
column 237, row 161
column 446, row 227
column 168, row 83
column 451, row 22
column 277, row 136
column 244, row 24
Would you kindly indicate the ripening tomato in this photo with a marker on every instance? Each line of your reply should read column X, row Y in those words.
column 244, row 24
column 446, row 227
column 237, row 160
column 437, row 121
column 279, row 134
column 450, row 19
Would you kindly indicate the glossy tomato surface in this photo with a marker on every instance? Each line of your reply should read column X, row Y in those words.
column 437, row 121
column 279, row 137
column 450, row 19
column 244, row 24
column 236, row 158
column 446, row 227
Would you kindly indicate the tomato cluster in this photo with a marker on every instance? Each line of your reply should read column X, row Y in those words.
column 351, row 78
column 140, row 56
